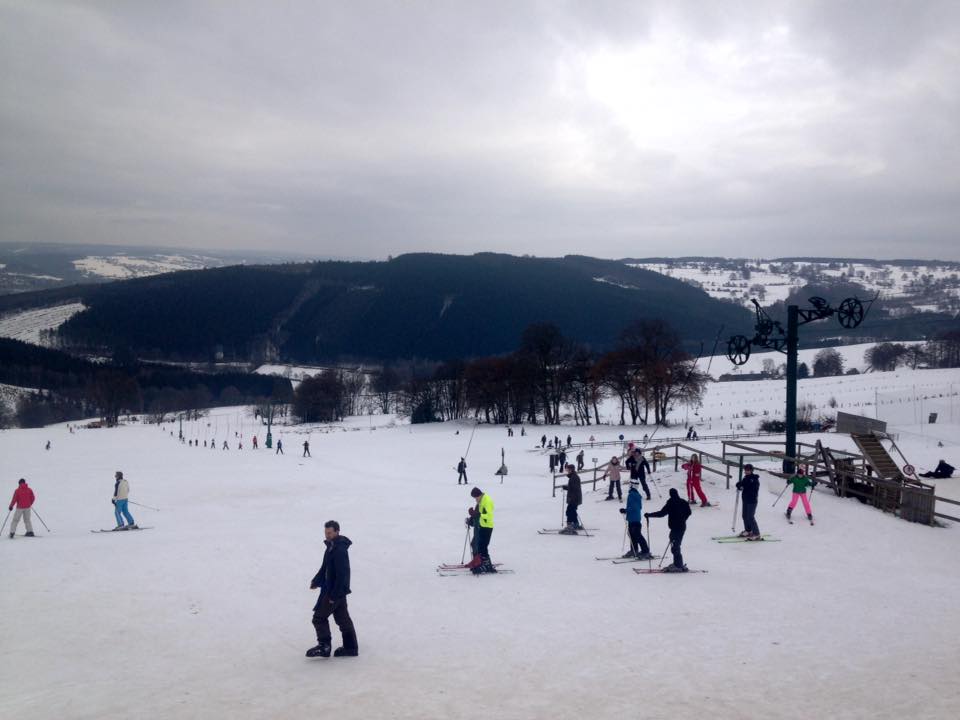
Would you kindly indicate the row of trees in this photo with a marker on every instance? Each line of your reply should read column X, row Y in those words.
column 648, row 371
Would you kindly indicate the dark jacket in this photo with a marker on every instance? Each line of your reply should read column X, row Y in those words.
column 750, row 485
column 574, row 493
column 944, row 469
column 333, row 578
column 638, row 469
column 676, row 510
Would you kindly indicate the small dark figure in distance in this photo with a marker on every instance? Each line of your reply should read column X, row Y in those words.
column 462, row 471
column 306, row 448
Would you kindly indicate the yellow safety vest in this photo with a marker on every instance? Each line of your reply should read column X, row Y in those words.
column 486, row 511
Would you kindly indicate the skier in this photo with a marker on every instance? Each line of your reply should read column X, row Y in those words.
column 279, row 448
column 48, row 445
column 800, row 483
column 694, row 470
column 574, row 500
column 562, row 458
column 225, row 446
column 580, row 461
column 23, row 499
column 306, row 448
column 484, row 530
column 473, row 522
column 677, row 512
column 213, row 444
column 634, row 516
column 121, row 493
column 943, row 470
column 523, row 431
column 689, row 432
column 462, row 471
column 254, row 442
column 569, row 441
column 613, row 472
column 639, row 467
column 333, row 579
column 553, row 462
column 509, row 431
column 543, row 442
column 750, row 489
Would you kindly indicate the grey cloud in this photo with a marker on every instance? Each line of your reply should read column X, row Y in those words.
column 367, row 129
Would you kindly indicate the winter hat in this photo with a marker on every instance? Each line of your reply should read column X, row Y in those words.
column 21, row 482
column 476, row 492
column 674, row 493
column 634, row 483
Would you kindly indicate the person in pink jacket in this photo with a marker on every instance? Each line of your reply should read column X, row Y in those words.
column 23, row 498
column 613, row 472
column 694, row 471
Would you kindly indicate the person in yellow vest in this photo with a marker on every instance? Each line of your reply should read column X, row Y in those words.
column 481, row 561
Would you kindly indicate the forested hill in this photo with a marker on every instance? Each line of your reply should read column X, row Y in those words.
column 414, row 306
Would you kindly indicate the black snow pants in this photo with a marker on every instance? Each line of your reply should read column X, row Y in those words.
column 326, row 607
column 636, row 538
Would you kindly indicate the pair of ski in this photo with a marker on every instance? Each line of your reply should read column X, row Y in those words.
column 742, row 538
column 550, row 531
column 122, row 531
column 619, row 559
column 451, row 569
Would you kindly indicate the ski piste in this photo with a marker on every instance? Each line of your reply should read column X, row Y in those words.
column 663, row 571
column 122, row 531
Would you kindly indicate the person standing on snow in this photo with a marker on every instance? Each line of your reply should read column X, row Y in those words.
column 613, row 472
column 23, row 499
column 279, row 448
column 306, row 448
column 121, row 495
column 462, row 471
column 574, row 500
column 580, row 461
column 333, row 579
column 639, row 467
column 254, row 442
column 694, row 471
column 800, row 483
column 677, row 512
column 484, row 529
column 543, row 441
column 634, row 517
column 750, row 491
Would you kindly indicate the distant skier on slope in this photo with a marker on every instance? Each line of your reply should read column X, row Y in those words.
column 23, row 499
column 800, row 483
column 279, row 448
column 574, row 500
column 750, row 490
column 677, row 512
column 694, row 471
column 462, row 471
column 634, row 517
column 484, row 529
column 333, row 579
column 121, row 495
column 580, row 461
column 543, row 441
column 306, row 448
column 254, row 442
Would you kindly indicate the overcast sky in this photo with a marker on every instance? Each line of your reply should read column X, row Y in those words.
column 362, row 129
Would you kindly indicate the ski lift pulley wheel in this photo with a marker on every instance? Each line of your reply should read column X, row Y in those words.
column 738, row 349
column 850, row 313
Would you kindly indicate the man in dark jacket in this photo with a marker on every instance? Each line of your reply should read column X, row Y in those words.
column 677, row 512
column 943, row 470
column 639, row 467
column 462, row 471
column 750, row 490
column 574, row 500
column 333, row 579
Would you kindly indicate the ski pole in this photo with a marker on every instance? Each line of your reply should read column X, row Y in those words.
column 623, row 545
column 663, row 557
column 40, row 519
column 5, row 521
column 143, row 506
column 563, row 503
column 780, row 495
column 733, row 525
column 466, row 539
column 649, row 542
column 580, row 523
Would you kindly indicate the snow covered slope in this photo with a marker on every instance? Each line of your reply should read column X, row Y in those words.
column 28, row 325
column 208, row 614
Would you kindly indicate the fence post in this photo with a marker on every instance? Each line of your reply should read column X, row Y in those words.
column 676, row 457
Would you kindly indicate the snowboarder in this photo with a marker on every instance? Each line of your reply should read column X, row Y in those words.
column 306, row 448
column 943, row 470
column 677, row 512
column 580, row 461
column 333, row 579
column 634, row 517
column 613, row 472
column 484, row 530
column 750, row 490
column 694, row 470
column 121, row 494
column 279, row 448
column 800, row 483
column 574, row 500
column 639, row 467
column 23, row 499
column 462, row 471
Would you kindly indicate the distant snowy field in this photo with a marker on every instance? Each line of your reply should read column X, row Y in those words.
column 122, row 267
column 208, row 614
column 28, row 324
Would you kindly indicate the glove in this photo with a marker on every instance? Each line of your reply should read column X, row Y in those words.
column 113, row 501
column 647, row 515
column 10, row 508
column 623, row 511
column 471, row 511
column 564, row 487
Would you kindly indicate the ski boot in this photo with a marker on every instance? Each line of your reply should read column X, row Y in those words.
column 810, row 518
column 691, row 502
column 744, row 534
column 11, row 535
column 569, row 530
column 645, row 556
column 627, row 555
column 346, row 652
column 789, row 512
column 609, row 497
column 475, row 562
column 672, row 569
column 118, row 528
column 133, row 527
column 705, row 504
column 30, row 534
column 321, row 650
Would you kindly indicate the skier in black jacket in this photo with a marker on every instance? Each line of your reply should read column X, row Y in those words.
column 677, row 512
column 333, row 579
column 639, row 467
column 574, row 500
column 750, row 490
